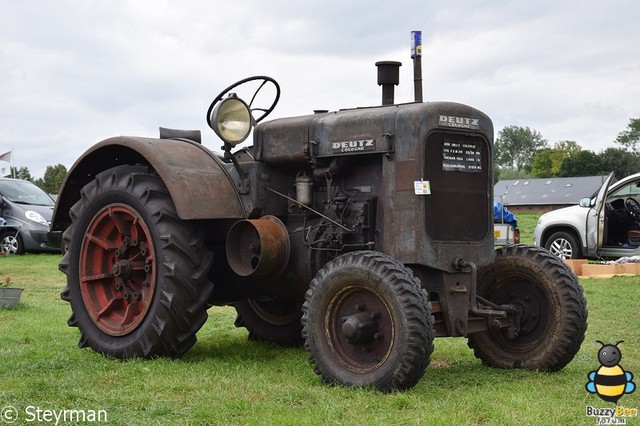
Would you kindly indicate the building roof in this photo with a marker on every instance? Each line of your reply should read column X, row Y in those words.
column 518, row 192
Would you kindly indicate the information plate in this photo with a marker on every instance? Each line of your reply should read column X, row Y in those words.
column 459, row 156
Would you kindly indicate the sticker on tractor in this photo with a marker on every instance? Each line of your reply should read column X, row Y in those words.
column 353, row 146
column 459, row 156
column 422, row 187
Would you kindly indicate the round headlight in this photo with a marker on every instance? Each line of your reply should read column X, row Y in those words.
column 232, row 120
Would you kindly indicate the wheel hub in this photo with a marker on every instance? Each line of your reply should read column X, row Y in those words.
column 361, row 327
column 529, row 309
column 122, row 268
column 117, row 269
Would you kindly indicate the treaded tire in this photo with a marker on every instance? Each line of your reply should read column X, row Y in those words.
column 554, row 311
column 564, row 245
column 275, row 321
column 367, row 290
column 11, row 242
column 167, row 300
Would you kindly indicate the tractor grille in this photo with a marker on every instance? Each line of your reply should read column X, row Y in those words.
column 458, row 170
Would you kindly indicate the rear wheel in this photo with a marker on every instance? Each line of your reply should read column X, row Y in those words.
column 136, row 273
column 551, row 306
column 275, row 320
column 564, row 245
column 367, row 322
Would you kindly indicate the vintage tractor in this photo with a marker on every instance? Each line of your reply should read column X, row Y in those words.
column 361, row 234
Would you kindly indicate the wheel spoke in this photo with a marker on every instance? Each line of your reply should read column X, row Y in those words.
column 119, row 222
column 110, row 306
column 98, row 277
column 130, row 315
column 101, row 242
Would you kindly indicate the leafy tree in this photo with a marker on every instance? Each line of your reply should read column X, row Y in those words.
column 516, row 146
column 542, row 163
column 21, row 173
column 630, row 138
column 53, row 178
column 547, row 162
column 620, row 161
column 582, row 163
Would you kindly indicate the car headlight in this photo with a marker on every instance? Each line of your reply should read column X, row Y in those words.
column 232, row 120
column 36, row 217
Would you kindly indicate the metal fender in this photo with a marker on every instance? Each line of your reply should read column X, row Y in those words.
column 200, row 185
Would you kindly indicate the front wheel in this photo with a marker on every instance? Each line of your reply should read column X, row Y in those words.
column 11, row 243
column 552, row 311
column 367, row 322
column 564, row 245
column 136, row 273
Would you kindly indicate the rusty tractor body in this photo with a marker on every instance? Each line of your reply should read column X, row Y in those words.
column 361, row 234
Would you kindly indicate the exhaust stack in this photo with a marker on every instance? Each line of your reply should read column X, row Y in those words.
column 416, row 55
column 388, row 76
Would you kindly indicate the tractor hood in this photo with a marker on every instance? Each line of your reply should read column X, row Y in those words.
column 359, row 131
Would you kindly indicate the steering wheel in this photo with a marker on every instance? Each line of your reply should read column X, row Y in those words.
column 265, row 111
column 633, row 208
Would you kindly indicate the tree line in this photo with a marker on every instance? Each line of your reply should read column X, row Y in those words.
column 50, row 183
column 521, row 152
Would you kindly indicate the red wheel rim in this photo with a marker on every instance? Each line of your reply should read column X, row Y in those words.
column 117, row 269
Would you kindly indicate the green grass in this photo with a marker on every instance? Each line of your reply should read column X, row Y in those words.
column 224, row 379
column 527, row 223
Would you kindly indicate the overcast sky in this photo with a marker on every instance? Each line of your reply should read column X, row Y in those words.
column 74, row 72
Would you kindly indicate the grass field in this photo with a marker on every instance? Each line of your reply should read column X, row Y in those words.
column 224, row 379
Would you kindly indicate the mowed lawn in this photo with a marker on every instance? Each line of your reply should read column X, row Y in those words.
column 225, row 379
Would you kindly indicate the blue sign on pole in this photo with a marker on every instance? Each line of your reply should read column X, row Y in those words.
column 416, row 44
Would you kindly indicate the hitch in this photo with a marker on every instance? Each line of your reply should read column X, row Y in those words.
column 505, row 317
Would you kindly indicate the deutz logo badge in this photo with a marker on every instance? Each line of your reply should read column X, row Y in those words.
column 458, row 122
column 353, row 146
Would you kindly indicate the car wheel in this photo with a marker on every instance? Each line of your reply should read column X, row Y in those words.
column 564, row 245
column 11, row 243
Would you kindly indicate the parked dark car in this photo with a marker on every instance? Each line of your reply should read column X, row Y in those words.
column 27, row 211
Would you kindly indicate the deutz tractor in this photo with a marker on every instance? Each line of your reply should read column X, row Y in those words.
column 361, row 234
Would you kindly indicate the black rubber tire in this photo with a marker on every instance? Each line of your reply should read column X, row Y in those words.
column 373, row 284
column 554, row 319
column 564, row 245
column 177, row 307
column 274, row 321
column 13, row 242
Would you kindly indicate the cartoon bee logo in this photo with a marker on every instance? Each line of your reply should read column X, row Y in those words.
column 610, row 382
